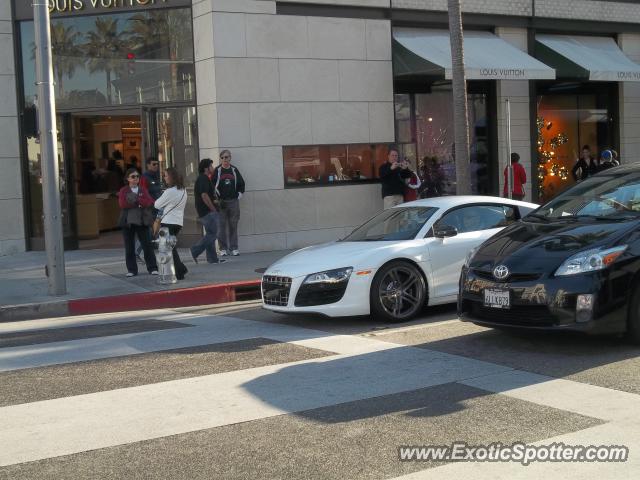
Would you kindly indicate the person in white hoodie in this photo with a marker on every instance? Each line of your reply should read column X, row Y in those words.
column 171, row 205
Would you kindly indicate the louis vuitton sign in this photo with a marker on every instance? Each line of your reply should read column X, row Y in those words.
column 61, row 6
column 23, row 9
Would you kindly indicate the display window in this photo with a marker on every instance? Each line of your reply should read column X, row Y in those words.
column 425, row 133
column 331, row 164
column 571, row 125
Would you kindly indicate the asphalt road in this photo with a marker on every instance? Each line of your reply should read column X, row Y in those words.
column 238, row 392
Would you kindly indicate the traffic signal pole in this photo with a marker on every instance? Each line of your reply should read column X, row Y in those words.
column 509, row 165
column 48, row 135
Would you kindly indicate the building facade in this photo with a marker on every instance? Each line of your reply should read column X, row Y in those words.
column 308, row 96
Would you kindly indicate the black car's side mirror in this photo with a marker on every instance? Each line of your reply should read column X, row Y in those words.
column 444, row 231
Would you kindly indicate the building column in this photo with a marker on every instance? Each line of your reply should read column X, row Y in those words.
column 630, row 103
column 267, row 81
column 517, row 91
column 12, row 212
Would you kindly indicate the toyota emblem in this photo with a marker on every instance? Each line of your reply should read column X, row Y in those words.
column 500, row 272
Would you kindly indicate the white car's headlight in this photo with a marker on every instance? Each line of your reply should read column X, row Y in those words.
column 329, row 276
column 470, row 255
column 590, row 261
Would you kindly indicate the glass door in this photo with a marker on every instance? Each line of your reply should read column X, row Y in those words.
column 170, row 135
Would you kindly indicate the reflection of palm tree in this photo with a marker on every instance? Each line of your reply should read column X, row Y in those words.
column 106, row 47
column 153, row 32
column 65, row 53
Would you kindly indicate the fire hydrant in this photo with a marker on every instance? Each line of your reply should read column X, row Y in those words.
column 166, row 269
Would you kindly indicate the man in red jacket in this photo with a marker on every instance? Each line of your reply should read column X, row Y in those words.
column 519, row 178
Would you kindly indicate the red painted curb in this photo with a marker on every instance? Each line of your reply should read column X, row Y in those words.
column 182, row 297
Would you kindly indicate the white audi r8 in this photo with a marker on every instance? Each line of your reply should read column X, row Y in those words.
column 400, row 260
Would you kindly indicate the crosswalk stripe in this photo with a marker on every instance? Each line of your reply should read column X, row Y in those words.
column 73, row 424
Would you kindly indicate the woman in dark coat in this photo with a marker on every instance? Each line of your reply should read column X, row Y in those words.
column 135, row 220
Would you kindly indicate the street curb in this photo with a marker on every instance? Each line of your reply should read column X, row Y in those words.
column 182, row 297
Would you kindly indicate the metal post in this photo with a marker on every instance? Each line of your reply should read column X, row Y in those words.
column 49, row 150
column 509, row 166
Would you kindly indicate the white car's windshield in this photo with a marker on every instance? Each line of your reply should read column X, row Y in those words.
column 606, row 196
column 402, row 223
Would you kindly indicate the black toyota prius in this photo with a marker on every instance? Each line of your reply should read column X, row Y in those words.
column 572, row 264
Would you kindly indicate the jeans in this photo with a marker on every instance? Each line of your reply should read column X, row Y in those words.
column 139, row 245
column 208, row 242
column 142, row 232
column 228, row 225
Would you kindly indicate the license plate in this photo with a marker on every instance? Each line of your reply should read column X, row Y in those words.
column 497, row 298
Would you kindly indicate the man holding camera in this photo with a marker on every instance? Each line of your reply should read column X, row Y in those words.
column 393, row 174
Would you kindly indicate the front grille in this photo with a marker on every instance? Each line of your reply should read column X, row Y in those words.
column 514, row 277
column 320, row 294
column 275, row 290
column 517, row 315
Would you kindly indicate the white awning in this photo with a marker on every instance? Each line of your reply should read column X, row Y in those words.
column 486, row 56
column 596, row 58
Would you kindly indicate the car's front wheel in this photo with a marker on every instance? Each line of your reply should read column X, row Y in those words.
column 398, row 292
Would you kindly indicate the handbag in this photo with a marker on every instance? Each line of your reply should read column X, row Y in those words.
column 157, row 223
column 147, row 216
column 133, row 216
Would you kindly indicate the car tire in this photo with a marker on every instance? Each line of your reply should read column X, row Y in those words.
column 633, row 319
column 398, row 292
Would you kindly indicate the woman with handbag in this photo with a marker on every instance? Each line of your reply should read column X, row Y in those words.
column 136, row 217
column 171, row 205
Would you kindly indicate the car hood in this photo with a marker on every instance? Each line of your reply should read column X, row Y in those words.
column 536, row 247
column 333, row 255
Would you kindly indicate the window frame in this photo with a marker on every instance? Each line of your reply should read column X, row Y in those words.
column 516, row 210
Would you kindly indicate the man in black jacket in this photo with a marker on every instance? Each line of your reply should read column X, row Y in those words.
column 392, row 174
column 229, row 187
column 207, row 213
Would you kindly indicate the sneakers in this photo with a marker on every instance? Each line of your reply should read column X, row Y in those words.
column 130, row 274
column 223, row 253
column 235, row 253
column 154, row 272
column 220, row 260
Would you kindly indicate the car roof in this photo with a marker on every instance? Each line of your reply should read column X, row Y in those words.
column 621, row 170
column 459, row 200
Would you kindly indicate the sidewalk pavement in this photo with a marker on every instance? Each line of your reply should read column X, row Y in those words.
column 96, row 283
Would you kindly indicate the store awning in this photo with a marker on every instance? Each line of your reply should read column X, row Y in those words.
column 594, row 58
column 487, row 57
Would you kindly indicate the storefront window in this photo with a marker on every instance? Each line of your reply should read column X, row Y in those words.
column 429, row 139
column 119, row 59
column 328, row 164
column 565, row 124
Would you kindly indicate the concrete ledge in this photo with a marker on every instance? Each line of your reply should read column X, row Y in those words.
column 30, row 311
column 184, row 297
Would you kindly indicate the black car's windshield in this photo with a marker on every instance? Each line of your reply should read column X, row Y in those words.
column 614, row 196
column 402, row 223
